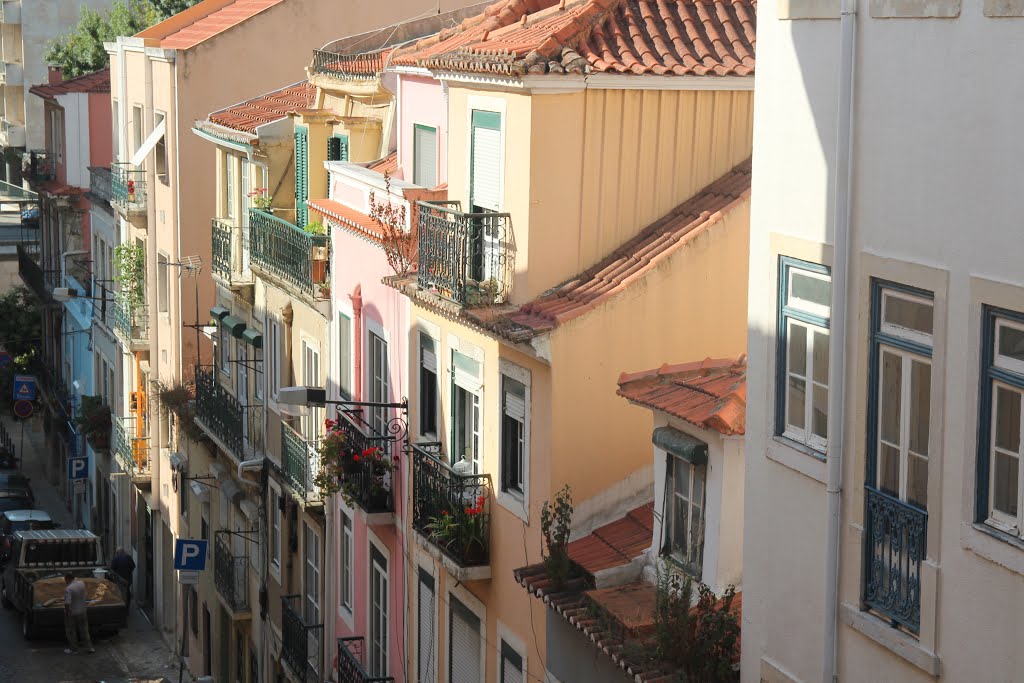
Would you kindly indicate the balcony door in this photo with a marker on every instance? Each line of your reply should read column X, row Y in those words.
column 466, row 390
column 378, row 613
column 311, row 596
column 485, row 195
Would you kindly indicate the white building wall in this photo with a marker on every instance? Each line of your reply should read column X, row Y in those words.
column 937, row 158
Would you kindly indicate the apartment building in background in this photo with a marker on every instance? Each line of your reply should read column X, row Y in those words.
column 26, row 28
column 883, row 518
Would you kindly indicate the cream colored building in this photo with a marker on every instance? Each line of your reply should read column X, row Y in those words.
column 883, row 533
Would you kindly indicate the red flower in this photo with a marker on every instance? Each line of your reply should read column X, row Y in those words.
column 355, row 458
column 480, row 502
column 445, row 513
column 329, row 423
column 369, row 451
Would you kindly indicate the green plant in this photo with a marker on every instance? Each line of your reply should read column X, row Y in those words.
column 443, row 529
column 94, row 421
column 130, row 263
column 11, row 154
column 260, row 199
column 555, row 522
column 80, row 51
column 716, row 637
column 315, row 228
column 348, row 472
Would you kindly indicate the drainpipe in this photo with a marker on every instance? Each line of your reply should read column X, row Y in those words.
column 357, row 320
column 254, row 464
column 837, row 333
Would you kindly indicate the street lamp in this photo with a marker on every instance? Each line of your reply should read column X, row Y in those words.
column 62, row 294
column 316, row 397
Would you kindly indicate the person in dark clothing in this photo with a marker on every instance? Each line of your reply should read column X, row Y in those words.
column 124, row 566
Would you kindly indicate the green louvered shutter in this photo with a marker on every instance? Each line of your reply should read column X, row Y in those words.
column 301, row 174
column 337, row 148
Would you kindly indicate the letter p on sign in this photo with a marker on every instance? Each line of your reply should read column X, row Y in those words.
column 190, row 555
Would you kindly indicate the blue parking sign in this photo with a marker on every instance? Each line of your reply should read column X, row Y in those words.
column 190, row 555
column 78, row 468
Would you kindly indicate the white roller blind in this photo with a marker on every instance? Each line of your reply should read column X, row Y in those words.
column 466, row 370
column 424, row 172
column 464, row 650
column 427, row 643
column 486, row 179
column 428, row 357
column 515, row 399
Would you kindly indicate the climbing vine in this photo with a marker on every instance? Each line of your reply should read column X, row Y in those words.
column 130, row 265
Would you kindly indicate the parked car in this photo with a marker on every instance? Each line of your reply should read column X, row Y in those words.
column 18, row 482
column 20, row 520
column 15, row 499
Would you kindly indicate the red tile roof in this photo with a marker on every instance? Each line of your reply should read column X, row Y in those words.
column 247, row 116
column 96, row 82
column 519, row 37
column 218, row 19
column 388, row 164
column 711, row 394
column 616, row 543
column 630, row 262
column 349, row 217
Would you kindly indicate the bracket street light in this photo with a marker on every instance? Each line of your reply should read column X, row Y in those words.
column 316, row 397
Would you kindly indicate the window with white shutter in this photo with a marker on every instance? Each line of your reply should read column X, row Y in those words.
column 426, row 643
column 424, row 156
column 378, row 613
column 511, row 664
column 428, row 386
column 513, row 434
column 464, row 665
column 485, row 162
column 379, row 390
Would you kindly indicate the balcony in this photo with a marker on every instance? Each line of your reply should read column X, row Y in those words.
column 100, row 185
column 451, row 511
column 230, row 253
column 39, row 166
column 220, row 414
column 368, row 485
column 230, row 575
column 131, row 325
column 895, row 537
column 348, row 67
column 12, row 133
column 102, row 312
column 131, row 450
column 288, row 253
column 32, row 273
column 300, row 640
column 128, row 187
column 351, row 655
column 466, row 257
column 301, row 461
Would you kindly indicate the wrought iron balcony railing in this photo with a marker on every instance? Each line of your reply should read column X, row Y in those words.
column 300, row 460
column 130, row 324
column 128, row 186
column 230, row 252
column 451, row 509
column 895, row 538
column 230, row 574
column 351, row 669
column 287, row 252
column 100, row 183
column 467, row 257
column 219, row 413
column 356, row 66
column 41, row 166
column 300, row 640
column 32, row 273
column 367, row 481
column 131, row 450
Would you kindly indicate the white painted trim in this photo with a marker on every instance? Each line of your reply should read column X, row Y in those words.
column 411, row 71
column 517, row 644
column 424, row 562
column 465, row 348
column 518, row 505
column 894, row 640
column 490, row 104
column 236, row 146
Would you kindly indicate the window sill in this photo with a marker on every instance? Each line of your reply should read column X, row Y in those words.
column 804, row 460
column 275, row 570
column 993, row 545
column 346, row 615
column 894, row 640
column 1004, row 8
column 515, row 504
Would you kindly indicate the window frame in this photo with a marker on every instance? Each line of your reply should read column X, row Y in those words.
column 224, row 349
column 422, row 411
column 378, row 380
column 417, row 128
column 344, row 356
column 274, row 369
column 230, row 187
column 809, row 315
column 276, row 519
column 163, row 292
column 994, row 374
column 693, row 565
column 160, row 149
column 476, row 417
column 908, row 345
column 511, row 373
column 346, row 567
column 377, row 661
column 138, row 127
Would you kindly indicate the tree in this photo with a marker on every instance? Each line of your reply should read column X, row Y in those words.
column 81, row 51
column 168, row 8
column 20, row 335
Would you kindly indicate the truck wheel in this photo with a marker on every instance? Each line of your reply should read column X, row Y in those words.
column 28, row 629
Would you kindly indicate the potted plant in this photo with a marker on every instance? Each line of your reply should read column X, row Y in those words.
column 94, row 421
column 315, row 228
column 555, row 521
column 261, row 199
column 130, row 265
column 359, row 477
column 324, row 290
column 463, row 534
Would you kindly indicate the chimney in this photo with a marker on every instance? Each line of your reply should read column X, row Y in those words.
column 56, row 75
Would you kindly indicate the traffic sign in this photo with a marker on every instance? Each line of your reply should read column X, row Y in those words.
column 186, row 578
column 190, row 554
column 78, row 468
column 23, row 409
column 5, row 359
column 79, row 485
column 24, row 388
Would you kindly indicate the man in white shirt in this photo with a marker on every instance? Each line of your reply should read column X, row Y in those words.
column 76, row 623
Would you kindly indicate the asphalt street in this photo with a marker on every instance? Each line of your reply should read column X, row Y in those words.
column 137, row 653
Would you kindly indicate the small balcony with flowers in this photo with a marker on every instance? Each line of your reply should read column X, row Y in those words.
column 230, row 253
column 128, row 187
column 451, row 512
column 131, row 448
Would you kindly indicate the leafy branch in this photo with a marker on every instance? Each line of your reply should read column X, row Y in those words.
column 396, row 240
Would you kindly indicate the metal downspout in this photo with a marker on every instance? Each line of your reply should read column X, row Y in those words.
column 838, row 346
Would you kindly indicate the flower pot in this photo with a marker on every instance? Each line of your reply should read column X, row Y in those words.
column 474, row 553
column 380, row 501
column 319, row 271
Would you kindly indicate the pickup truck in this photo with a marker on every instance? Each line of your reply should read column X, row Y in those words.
column 33, row 581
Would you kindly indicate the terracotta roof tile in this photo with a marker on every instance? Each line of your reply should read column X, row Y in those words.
column 632, row 261
column 388, row 164
column 349, row 217
column 96, row 82
column 273, row 106
column 656, row 37
column 711, row 394
column 616, row 543
column 209, row 25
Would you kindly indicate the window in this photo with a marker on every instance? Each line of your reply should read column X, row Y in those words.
column 275, row 528
column 229, row 186
column 901, row 387
column 685, row 524
column 346, row 580
column 163, row 282
column 224, row 349
column 57, row 133
column 428, row 386
column 161, row 150
column 424, row 156
column 465, row 410
column 301, row 174
column 337, row 147
column 311, row 378
column 511, row 664
column 257, row 388
column 378, row 613
column 137, row 136
column 116, row 125
column 802, row 400
column 463, row 643
column 513, row 434
column 426, row 642
column 1000, row 475
column 378, row 382
column 311, row 587
column 344, row 356
column 274, row 362
column 485, row 186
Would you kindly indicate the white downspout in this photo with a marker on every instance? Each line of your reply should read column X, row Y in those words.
column 837, row 333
